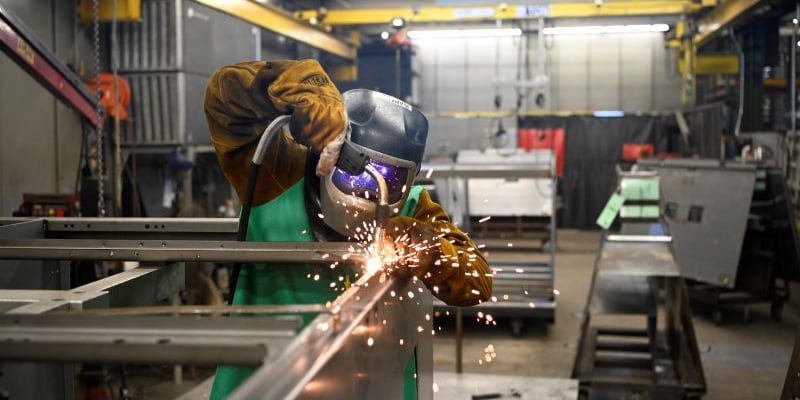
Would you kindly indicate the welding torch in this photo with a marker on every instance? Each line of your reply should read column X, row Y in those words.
column 354, row 162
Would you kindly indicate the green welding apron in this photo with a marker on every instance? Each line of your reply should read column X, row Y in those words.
column 284, row 219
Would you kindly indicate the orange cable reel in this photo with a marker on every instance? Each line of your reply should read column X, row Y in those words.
column 107, row 94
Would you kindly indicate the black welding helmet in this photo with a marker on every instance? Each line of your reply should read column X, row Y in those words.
column 392, row 133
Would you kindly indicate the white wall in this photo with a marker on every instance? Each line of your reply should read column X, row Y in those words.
column 632, row 72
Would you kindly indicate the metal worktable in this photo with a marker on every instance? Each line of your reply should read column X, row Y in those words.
column 637, row 335
column 355, row 347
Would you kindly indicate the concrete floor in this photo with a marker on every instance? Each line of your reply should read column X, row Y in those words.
column 741, row 361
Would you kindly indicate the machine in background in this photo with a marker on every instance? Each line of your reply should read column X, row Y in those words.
column 733, row 231
column 49, row 205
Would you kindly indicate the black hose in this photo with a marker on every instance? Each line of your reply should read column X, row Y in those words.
column 244, row 221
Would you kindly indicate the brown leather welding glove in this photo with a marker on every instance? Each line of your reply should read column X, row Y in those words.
column 452, row 268
column 318, row 115
column 418, row 241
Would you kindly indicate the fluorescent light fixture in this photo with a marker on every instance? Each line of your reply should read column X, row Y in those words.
column 601, row 29
column 609, row 114
column 398, row 22
column 464, row 33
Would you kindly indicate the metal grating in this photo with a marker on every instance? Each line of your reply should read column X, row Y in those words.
column 151, row 45
column 155, row 109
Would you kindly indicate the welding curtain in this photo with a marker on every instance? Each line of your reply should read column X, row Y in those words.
column 593, row 148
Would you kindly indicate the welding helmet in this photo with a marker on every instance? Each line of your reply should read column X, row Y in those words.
column 392, row 134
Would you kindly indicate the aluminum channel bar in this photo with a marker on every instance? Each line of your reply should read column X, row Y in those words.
column 129, row 228
column 352, row 353
column 136, row 287
column 542, row 170
column 143, row 340
column 177, row 250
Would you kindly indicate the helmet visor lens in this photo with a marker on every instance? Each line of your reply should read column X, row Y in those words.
column 364, row 185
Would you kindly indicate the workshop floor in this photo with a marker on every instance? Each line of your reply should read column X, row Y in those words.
column 741, row 361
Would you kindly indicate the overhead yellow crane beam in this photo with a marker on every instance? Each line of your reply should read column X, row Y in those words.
column 364, row 16
column 283, row 23
column 721, row 17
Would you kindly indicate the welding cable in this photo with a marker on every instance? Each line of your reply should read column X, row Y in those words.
column 247, row 203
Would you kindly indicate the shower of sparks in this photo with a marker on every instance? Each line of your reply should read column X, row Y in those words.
column 489, row 353
column 396, row 251
column 374, row 264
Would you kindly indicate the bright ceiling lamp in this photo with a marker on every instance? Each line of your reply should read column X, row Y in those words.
column 464, row 33
column 601, row 29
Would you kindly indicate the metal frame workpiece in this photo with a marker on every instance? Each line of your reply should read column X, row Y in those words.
column 356, row 347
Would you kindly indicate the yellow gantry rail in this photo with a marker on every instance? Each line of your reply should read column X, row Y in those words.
column 285, row 24
column 721, row 17
column 363, row 16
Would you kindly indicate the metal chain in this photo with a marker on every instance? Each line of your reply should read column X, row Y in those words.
column 101, row 202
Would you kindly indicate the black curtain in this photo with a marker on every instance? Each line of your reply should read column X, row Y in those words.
column 593, row 148
column 706, row 125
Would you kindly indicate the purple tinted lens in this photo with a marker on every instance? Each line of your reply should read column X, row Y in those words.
column 364, row 186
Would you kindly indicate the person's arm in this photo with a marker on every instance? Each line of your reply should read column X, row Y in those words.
column 242, row 99
column 452, row 267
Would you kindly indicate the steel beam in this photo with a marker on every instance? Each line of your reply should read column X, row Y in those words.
column 280, row 22
column 713, row 64
column 721, row 17
column 365, row 16
column 177, row 250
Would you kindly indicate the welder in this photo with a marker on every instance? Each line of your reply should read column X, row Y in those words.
column 301, row 196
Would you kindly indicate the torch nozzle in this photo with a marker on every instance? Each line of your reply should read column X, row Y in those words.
column 382, row 212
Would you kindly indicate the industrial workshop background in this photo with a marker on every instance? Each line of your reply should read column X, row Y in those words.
column 615, row 161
